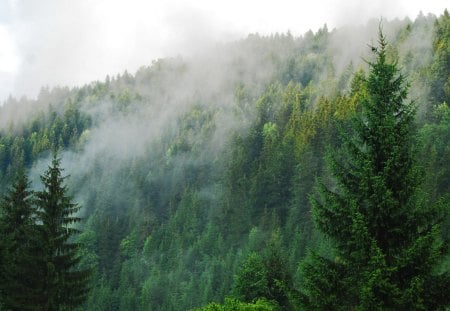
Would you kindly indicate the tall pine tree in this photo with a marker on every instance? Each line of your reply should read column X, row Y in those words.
column 386, row 239
column 64, row 287
column 19, row 278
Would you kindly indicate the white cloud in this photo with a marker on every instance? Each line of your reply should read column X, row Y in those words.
column 69, row 42
column 9, row 60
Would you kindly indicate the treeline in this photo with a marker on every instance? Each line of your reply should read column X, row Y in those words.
column 218, row 203
column 39, row 263
column 49, row 130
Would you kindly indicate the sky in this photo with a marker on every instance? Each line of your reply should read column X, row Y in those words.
column 70, row 43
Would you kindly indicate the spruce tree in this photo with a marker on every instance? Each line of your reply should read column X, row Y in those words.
column 64, row 287
column 19, row 279
column 387, row 241
column 266, row 276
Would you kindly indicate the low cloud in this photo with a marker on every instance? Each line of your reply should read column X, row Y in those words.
column 74, row 42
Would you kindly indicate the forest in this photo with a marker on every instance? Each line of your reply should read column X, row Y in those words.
column 270, row 173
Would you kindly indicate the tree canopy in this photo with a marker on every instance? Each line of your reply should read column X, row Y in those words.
column 387, row 238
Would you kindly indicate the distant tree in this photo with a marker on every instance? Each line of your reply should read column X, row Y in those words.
column 265, row 277
column 251, row 282
column 63, row 285
column 233, row 304
column 279, row 279
column 19, row 279
column 436, row 152
column 387, row 240
column 440, row 68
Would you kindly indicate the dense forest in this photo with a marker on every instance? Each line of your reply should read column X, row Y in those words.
column 243, row 178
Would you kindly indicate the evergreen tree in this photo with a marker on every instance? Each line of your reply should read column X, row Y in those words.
column 64, row 287
column 266, row 276
column 440, row 68
column 251, row 282
column 387, row 240
column 279, row 279
column 19, row 279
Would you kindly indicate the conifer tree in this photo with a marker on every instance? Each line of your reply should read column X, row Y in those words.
column 266, row 276
column 386, row 238
column 19, row 279
column 64, row 287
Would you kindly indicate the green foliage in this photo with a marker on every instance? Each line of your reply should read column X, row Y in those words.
column 45, row 132
column 387, row 239
column 436, row 151
column 251, row 282
column 265, row 276
column 19, row 278
column 279, row 279
column 440, row 69
column 62, row 285
column 40, row 267
column 173, row 218
column 236, row 305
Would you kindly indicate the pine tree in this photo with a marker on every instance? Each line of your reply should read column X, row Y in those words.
column 19, row 279
column 64, row 287
column 266, row 276
column 386, row 239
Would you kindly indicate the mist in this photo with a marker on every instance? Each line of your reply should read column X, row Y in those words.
column 191, row 135
column 70, row 43
column 160, row 96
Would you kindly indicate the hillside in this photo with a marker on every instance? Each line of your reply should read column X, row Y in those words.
column 189, row 167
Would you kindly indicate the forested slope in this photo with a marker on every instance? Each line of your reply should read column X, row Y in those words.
column 192, row 172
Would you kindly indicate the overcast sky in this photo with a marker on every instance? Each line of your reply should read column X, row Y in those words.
column 72, row 42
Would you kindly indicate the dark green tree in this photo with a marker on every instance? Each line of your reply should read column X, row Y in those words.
column 64, row 286
column 440, row 68
column 19, row 280
column 386, row 238
column 266, row 276
column 251, row 282
column 279, row 279
column 233, row 304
